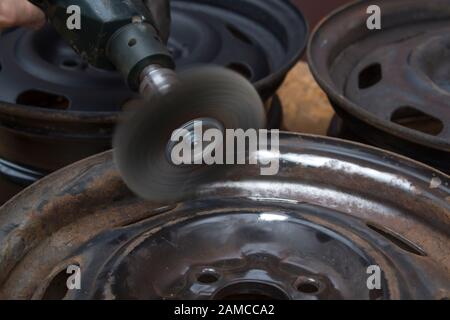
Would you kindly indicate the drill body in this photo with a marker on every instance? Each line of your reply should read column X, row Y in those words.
column 128, row 35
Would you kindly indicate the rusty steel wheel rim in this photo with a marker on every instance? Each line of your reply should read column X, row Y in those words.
column 389, row 86
column 308, row 233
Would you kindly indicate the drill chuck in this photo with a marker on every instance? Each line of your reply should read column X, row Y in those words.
column 156, row 80
column 133, row 48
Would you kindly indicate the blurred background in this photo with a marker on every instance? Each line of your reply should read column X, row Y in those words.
column 315, row 10
column 305, row 106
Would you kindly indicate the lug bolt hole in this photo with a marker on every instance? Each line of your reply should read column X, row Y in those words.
column 132, row 42
column 69, row 63
column 308, row 285
column 208, row 276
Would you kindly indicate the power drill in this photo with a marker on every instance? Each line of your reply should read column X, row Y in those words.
column 130, row 36
column 127, row 35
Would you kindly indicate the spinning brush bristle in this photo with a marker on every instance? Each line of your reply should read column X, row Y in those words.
column 214, row 97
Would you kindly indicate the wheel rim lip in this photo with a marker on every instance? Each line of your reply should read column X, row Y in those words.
column 282, row 72
column 31, row 113
column 409, row 166
column 347, row 105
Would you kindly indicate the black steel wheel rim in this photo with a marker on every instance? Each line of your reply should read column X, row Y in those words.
column 339, row 75
column 267, row 37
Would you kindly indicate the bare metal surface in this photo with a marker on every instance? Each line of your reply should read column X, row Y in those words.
column 156, row 80
column 346, row 190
